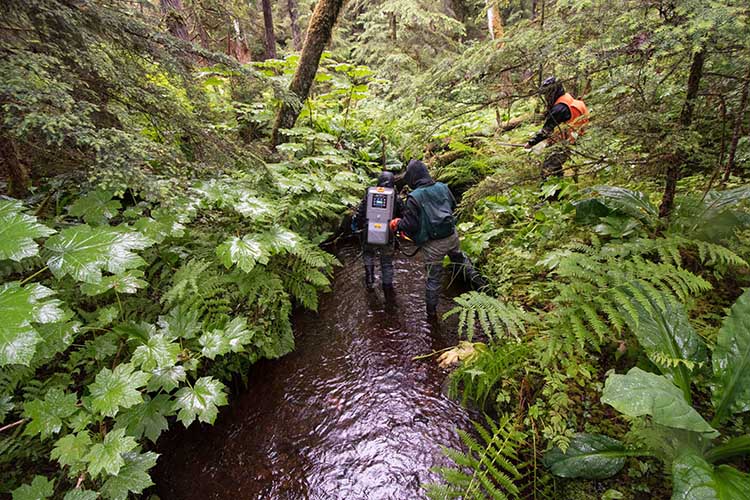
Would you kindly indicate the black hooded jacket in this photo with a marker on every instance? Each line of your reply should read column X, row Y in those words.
column 416, row 176
column 386, row 179
column 557, row 114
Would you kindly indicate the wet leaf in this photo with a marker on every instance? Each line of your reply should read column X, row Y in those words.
column 107, row 455
column 17, row 232
column 71, row 448
column 132, row 477
column 245, row 252
column 46, row 416
column 641, row 393
column 83, row 252
column 731, row 362
column 40, row 488
column 21, row 306
column 157, row 352
column 96, row 207
column 589, row 456
column 148, row 418
column 200, row 401
column 117, row 389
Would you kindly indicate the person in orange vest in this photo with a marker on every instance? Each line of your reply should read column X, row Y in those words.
column 565, row 121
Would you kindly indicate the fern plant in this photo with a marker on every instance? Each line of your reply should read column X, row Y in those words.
column 489, row 468
column 496, row 318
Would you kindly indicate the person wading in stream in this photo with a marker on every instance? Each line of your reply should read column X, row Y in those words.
column 565, row 121
column 429, row 222
column 370, row 252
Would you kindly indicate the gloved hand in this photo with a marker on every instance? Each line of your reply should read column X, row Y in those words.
column 394, row 224
column 527, row 146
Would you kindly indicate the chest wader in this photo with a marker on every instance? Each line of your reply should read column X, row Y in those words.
column 381, row 203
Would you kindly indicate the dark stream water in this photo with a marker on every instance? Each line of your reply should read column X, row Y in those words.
column 348, row 415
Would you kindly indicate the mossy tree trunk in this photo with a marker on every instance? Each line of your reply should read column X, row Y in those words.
column 740, row 118
column 318, row 35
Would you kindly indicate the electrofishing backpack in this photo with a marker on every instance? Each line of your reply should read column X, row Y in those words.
column 380, row 205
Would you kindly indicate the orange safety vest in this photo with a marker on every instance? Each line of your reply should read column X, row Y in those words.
column 579, row 117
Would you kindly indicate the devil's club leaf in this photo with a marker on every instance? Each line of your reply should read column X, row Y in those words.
column 232, row 338
column 107, row 455
column 148, row 418
column 245, row 252
column 83, row 252
column 22, row 306
column 589, row 456
column 46, row 416
column 731, row 362
column 40, row 488
column 17, row 232
column 80, row 495
column 115, row 389
column 166, row 378
column 96, row 208
column 157, row 352
column 200, row 401
column 127, row 282
column 71, row 448
column 132, row 478
column 641, row 393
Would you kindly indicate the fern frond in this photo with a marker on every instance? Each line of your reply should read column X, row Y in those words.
column 497, row 319
column 487, row 469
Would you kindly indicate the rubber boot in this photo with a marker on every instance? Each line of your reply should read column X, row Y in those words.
column 370, row 277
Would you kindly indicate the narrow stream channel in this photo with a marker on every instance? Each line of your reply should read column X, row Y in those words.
column 348, row 415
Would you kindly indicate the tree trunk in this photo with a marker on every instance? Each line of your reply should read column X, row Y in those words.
column 737, row 127
column 318, row 35
column 533, row 9
column 18, row 175
column 393, row 23
column 686, row 118
column 270, row 36
column 494, row 20
column 293, row 9
column 172, row 10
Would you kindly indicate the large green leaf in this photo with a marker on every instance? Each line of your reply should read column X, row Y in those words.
column 695, row 479
column 96, row 207
column 157, row 352
column 17, row 232
column 132, row 477
column 81, row 495
column 107, row 455
column 200, row 401
column 129, row 281
column 632, row 203
column 232, row 338
column 21, row 306
column 118, row 388
column 167, row 378
column 70, row 449
column 642, row 393
column 46, row 416
column 83, row 251
column 731, row 362
column 148, row 418
column 39, row 489
column 664, row 332
column 589, row 456
column 245, row 252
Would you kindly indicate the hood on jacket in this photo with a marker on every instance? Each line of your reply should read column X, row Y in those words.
column 417, row 175
column 551, row 90
column 386, row 179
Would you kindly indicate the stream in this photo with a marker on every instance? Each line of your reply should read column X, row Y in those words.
column 348, row 415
